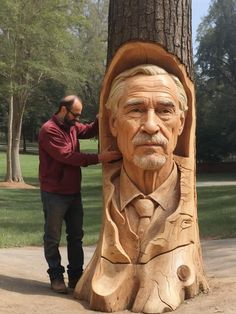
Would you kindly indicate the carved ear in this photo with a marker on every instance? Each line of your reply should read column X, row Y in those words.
column 113, row 125
column 182, row 122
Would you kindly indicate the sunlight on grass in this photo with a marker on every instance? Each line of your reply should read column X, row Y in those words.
column 21, row 215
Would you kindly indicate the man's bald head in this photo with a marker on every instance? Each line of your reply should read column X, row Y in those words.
column 68, row 101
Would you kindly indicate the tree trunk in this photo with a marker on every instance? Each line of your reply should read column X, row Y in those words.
column 168, row 23
column 16, row 136
column 155, row 272
column 24, row 141
column 16, row 110
column 8, row 176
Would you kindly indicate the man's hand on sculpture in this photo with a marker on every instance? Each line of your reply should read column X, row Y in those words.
column 109, row 156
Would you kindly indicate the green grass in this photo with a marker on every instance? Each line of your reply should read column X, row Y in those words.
column 21, row 216
column 227, row 176
column 217, row 211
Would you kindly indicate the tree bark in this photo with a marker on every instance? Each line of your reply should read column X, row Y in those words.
column 168, row 23
column 16, row 111
column 16, row 136
column 8, row 176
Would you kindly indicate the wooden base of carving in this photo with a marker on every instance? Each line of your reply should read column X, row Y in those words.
column 156, row 287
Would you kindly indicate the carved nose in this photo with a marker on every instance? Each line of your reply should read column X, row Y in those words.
column 151, row 124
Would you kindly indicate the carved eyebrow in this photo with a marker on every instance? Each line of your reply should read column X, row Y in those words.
column 140, row 101
column 134, row 101
column 169, row 103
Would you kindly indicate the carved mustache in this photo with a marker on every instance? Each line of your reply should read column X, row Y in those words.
column 146, row 139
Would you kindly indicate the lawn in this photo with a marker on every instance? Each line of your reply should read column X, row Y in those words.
column 21, row 216
column 217, row 211
column 21, row 222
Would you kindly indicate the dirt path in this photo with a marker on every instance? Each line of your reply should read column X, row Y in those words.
column 24, row 287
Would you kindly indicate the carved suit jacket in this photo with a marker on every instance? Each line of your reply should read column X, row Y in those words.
column 160, row 238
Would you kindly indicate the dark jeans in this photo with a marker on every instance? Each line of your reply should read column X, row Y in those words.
column 57, row 208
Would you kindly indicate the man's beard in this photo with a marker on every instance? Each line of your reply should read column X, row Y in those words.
column 150, row 161
column 68, row 122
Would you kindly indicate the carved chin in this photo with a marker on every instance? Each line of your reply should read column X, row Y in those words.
column 149, row 162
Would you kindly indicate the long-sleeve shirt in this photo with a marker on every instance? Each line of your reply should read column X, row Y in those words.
column 60, row 158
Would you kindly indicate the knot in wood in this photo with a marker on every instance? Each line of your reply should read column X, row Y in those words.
column 183, row 272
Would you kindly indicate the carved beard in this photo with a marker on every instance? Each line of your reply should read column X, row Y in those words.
column 150, row 161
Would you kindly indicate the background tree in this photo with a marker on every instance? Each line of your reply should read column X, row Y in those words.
column 93, row 39
column 34, row 46
column 45, row 42
column 216, row 82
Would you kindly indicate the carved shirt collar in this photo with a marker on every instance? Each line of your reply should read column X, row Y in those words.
column 166, row 195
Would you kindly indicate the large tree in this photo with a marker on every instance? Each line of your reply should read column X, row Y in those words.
column 36, row 43
column 89, row 48
column 93, row 37
column 216, row 82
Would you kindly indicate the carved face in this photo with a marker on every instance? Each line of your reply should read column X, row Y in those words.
column 148, row 120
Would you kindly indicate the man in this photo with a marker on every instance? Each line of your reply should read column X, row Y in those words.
column 60, row 180
column 147, row 226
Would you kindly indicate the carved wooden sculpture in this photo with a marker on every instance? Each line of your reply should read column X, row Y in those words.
column 148, row 258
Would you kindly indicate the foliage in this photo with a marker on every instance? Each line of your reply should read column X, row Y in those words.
column 91, row 44
column 49, row 49
column 216, row 82
column 94, row 43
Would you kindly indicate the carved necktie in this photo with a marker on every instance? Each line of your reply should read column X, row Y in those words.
column 144, row 208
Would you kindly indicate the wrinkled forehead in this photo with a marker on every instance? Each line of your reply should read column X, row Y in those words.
column 148, row 86
column 151, row 83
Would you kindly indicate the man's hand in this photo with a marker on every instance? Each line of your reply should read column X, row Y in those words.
column 108, row 156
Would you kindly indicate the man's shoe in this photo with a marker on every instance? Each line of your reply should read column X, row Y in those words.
column 72, row 283
column 58, row 285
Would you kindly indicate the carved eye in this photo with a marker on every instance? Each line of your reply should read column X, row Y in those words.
column 165, row 111
column 136, row 110
column 186, row 223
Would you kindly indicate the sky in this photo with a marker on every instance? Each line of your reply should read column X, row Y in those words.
column 199, row 10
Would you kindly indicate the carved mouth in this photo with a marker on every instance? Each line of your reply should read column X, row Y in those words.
column 149, row 144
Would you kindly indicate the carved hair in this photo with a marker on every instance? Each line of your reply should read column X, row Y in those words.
column 118, row 85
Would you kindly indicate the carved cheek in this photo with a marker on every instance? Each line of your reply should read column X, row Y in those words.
column 125, row 134
column 172, row 136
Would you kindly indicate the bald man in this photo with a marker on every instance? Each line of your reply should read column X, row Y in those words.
column 60, row 183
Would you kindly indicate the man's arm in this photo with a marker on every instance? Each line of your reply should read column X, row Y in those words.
column 53, row 142
column 87, row 130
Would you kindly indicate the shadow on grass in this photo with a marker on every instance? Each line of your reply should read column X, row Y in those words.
column 32, row 181
column 20, row 199
column 28, row 286
column 23, row 227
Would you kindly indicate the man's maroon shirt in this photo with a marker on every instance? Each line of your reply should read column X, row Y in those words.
column 60, row 158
